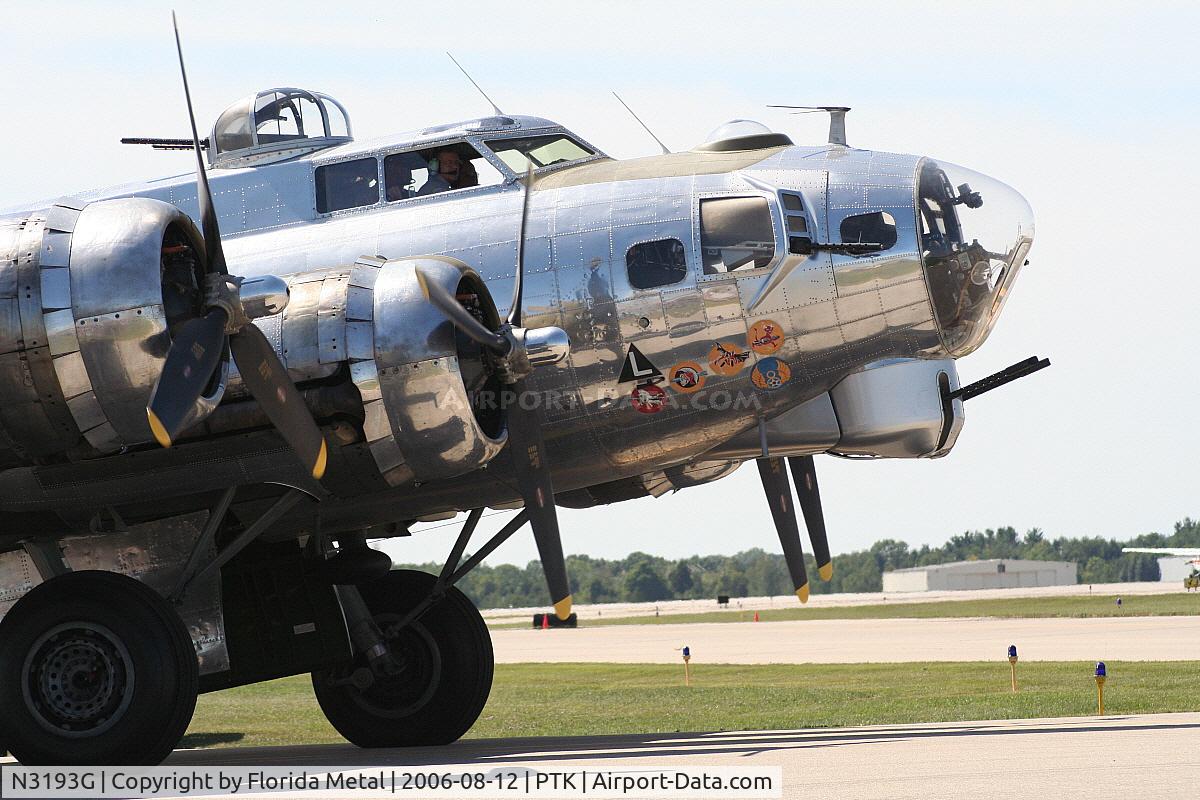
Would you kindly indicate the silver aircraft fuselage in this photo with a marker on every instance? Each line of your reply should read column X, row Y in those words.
column 848, row 333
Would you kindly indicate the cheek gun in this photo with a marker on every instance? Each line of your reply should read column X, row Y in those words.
column 998, row 379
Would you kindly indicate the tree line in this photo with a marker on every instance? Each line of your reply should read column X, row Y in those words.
column 640, row 577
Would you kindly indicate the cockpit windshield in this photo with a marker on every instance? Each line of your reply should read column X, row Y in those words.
column 542, row 151
column 975, row 234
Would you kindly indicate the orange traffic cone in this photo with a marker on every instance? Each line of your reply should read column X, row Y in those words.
column 756, row 616
column 545, row 621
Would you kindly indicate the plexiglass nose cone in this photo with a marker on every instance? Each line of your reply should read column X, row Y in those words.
column 975, row 234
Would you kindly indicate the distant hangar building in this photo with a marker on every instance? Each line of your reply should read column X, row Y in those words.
column 993, row 573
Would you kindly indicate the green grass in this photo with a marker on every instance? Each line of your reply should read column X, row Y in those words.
column 579, row 699
column 1154, row 605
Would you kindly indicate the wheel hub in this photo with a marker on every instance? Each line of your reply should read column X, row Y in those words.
column 420, row 667
column 78, row 679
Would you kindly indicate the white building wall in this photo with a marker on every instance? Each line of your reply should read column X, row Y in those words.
column 981, row 575
column 906, row 581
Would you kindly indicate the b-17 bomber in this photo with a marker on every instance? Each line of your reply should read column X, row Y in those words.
column 216, row 387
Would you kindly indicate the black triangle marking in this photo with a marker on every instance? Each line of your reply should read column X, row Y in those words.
column 637, row 367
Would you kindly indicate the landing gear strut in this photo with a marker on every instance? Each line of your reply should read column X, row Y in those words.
column 442, row 673
column 95, row 668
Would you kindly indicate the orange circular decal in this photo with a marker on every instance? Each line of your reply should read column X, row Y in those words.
column 686, row 377
column 771, row 373
column 726, row 358
column 765, row 337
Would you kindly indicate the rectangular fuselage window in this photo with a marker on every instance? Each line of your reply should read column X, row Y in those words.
column 799, row 237
column 735, row 233
column 658, row 263
column 348, row 184
column 876, row 227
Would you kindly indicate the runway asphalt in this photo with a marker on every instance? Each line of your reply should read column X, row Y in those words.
column 587, row 611
column 839, row 641
column 1152, row 755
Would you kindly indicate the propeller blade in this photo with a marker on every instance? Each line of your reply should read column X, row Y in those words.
column 779, row 497
column 529, row 450
column 804, row 473
column 214, row 254
column 459, row 317
column 193, row 358
column 514, row 311
column 280, row 400
column 533, row 480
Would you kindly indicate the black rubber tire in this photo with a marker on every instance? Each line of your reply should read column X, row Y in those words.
column 429, row 703
column 156, row 710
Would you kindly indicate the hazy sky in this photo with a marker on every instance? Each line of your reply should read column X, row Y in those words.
column 1089, row 109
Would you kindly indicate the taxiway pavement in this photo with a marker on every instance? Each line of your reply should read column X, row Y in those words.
column 844, row 641
column 587, row 611
column 1151, row 755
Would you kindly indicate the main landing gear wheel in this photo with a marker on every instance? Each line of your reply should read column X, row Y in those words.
column 445, row 669
column 95, row 668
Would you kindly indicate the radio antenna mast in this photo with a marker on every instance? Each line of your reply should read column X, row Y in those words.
column 666, row 150
column 495, row 107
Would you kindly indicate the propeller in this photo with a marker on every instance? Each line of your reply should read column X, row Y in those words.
column 194, row 361
column 513, row 345
column 779, row 497
column 804, row 473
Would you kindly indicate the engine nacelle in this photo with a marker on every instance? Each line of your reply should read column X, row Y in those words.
column 88, row 298
column 421, row 419
column 87, row 303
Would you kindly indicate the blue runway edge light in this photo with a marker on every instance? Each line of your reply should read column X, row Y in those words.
column 1012, row 651
column 1100, row 669
column 687, row 651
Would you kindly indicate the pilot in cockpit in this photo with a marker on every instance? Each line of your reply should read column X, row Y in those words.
column 444, row 171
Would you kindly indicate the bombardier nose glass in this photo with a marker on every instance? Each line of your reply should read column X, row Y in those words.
column 975, row 235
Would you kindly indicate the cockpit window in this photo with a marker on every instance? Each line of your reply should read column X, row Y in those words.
column 541, row 150
column 877, row 227
column 444, row 168
column 735, row 233
column 348, row 184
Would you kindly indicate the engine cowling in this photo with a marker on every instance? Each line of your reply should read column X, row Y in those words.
column 88, row 299
column 422, row 378
column 89, row 296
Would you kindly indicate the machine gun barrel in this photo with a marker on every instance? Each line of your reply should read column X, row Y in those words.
column 996, row 380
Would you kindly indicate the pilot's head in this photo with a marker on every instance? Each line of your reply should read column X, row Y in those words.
column 449, row 164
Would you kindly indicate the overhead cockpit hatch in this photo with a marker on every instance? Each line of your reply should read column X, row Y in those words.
column 275, row 125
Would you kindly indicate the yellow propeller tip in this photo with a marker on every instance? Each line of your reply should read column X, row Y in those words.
column 802, row 593
column 156, row 427
column 825, row 571
column 318, row 469
column 562, row 609
column 422, row 284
